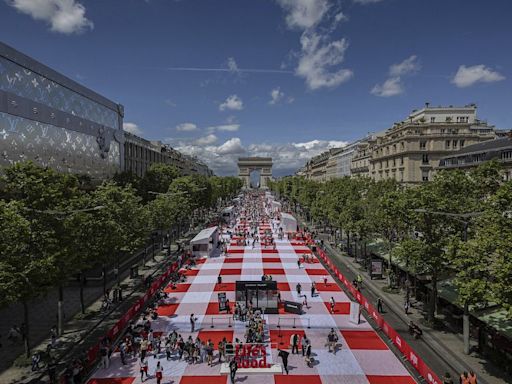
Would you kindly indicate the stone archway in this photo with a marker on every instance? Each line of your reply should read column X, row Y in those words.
column 248, row 164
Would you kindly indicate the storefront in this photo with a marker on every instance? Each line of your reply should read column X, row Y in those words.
column 259, row 294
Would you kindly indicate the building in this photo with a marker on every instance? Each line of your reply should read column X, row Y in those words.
column 342, row 159
column 54, row 121
column 476, row 154
column 411, row 150
column 332, row 166
column 360, row 163
column 317, row 167
column 140, row 154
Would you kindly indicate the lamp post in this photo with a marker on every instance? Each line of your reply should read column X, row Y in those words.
column 462, row 218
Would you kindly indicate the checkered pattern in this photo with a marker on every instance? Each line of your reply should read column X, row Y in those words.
column 362, row 358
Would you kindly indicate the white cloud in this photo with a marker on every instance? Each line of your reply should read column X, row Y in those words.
column 231, row 147
column 406, row 67
column 364, row 2
column 391, row 87
column 186, row 127
column 276, row 95
column 303, row 14
column 288, row 157
column 233, row 102
column 340, row 16
column 170, row 103
column 132, row 128
column 224, row 128
column 64, row 16
column 206, row 140
column 317, row 59
column 467, row 76
column 232, row 65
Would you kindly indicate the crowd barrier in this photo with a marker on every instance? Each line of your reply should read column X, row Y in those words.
column 423, row 369
column 114, row 332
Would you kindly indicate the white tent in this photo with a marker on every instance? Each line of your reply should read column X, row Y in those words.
column 288, row 222
column 276, row 205
column 205, row 242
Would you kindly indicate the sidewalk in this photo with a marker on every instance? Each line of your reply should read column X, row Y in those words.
column 70, row 345
column 444, row 345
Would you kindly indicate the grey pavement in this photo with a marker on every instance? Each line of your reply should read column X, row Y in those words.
column 442, row 350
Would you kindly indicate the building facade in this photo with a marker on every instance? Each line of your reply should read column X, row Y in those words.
column 55, row 122
column 360, row 163
column 140, row 154
column 474, row 155
column 411, row 150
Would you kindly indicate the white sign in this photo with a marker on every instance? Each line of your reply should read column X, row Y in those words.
column 354, row 312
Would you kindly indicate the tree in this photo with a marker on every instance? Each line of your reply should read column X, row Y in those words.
column 158, row 178
column 24, row 273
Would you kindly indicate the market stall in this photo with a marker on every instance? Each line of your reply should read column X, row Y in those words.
column 205, row 242
column 288, row 222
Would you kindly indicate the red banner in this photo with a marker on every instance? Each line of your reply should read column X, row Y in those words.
column 423, row 369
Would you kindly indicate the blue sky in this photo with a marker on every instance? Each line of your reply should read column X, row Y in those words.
column 285, row 78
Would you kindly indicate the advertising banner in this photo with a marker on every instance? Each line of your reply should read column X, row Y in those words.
column 354, row 312
column 222, row 301
column 377, row 267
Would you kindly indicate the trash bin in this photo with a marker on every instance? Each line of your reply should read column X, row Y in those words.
column 134, row 272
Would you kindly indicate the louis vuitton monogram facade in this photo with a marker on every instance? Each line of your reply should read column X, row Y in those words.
column 55, row 122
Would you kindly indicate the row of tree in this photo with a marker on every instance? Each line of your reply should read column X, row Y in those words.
column 457, row 225
column 54, row 226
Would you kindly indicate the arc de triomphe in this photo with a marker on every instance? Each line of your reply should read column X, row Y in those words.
column 248, row 164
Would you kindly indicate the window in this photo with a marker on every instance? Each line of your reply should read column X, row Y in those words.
column 401, row 175
column 447, row 144
column 425, row 158
column 424, row 175
column 402, row 144
column 394, row 148
column 443, row 130
column 402, row 160
column 432, row 119
column 394, row 163
column 454, row 144
column 387, row 163
column 462, row 143
column 423, row 144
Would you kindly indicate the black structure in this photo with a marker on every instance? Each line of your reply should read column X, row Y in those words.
column 258, row 294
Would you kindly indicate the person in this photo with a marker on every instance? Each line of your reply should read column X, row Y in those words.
column 233, row 366
column 158, row 373
column 298, row 263
column 295, row 344
column 447, row 379
column 304, row 344
column 332, row 339
column 284, row 357
column 379, row 305
column 464, row 379
column 298, row 287
column 309, row 360
column 472, row 377
column 192, row 322
column 305, row 302
column 313, row 289
column 332, row 304
column 143, row 369
column 36, row 358
column 407, row 306
column 52, row 371
column 359, row 282
column 104, row 357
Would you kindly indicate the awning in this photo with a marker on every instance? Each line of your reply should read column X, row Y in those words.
column 203, row 236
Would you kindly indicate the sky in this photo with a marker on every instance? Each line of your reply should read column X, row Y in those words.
column 220, row 79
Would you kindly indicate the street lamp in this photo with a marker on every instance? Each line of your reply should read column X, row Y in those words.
column 462, row 218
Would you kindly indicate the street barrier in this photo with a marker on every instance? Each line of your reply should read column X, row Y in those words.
column 417, row 362
column 114, row 332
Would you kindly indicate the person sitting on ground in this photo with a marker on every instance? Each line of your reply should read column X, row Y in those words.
column 415, row 330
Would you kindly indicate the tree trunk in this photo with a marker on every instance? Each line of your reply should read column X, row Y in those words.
column 433, row 300
column 60, row 311
column 465, row 328
column 348, row 244
column 82, row 304
column 390, row 267
column 27, row 329
column 104, row 269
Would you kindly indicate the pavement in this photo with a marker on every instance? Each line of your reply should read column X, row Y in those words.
column 442, row 350
column 80, row 331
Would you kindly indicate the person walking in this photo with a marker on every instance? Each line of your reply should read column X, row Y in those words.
column 192, row 323
column 298, row 287
column 332, row 339
column 295, row 344
column 158, row 373
column 304, row 344
column 308, row 359
column 284, row 357
column 379, row 305
column 143, row 367
column 472, row 377
column 313, row 289
column 233, row 366
column 332, row 304
column 464, row 379
column 407, row 305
